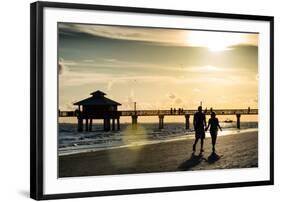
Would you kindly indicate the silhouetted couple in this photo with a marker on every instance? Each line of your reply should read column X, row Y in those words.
column 199, row 123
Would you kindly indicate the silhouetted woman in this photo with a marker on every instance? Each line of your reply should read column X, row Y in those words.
column 214, row 123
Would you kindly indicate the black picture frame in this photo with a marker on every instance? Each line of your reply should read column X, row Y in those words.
column 36, row 98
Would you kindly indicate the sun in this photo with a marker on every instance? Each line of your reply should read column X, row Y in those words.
column 214, row 41
column 217, row 47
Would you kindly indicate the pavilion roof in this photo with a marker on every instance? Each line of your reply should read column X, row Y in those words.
column 97, row 99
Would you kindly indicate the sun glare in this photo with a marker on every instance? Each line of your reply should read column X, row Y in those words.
column 214, row 41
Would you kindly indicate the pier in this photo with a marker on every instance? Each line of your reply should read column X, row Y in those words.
column 134, row 114
column 100, row 107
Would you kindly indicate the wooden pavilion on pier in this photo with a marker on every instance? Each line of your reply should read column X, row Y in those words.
column 98, row 107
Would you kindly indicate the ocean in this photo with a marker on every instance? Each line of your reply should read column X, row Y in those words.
column 70, row 141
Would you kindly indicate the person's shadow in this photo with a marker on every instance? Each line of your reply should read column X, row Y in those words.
column 193, row 161
column 213, row 158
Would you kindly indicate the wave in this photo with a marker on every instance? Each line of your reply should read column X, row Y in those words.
column 70, row 141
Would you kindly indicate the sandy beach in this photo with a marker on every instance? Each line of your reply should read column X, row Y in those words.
column 233, row 151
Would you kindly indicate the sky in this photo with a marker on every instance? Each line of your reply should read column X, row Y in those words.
column 157, row 68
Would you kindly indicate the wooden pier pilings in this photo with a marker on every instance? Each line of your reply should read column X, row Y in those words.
column 238, row 120
column 161, row 121
column 187, row 125
column 134, row 121
column 108, row 124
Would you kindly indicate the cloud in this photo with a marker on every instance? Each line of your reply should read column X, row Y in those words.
column 109, row 85
column 128, row 104
column 109, row 68
column 62, row 66
column 93, row 75
column 89, row 61
column 173, row 99
column 156, row 35
column 178, row 101
column 162, row 36
column 171, row 96
column 196, row 90
column 117, row 65
column 90, row 77
column 111, row 60
column 204, row 69
column 219, row 41
column 132, row 95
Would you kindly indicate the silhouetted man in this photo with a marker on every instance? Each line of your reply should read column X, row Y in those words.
column 199, row 123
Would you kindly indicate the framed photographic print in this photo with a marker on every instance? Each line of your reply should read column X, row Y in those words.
column 135, row 100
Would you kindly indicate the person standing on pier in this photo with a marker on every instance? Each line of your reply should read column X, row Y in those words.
column 199, row 123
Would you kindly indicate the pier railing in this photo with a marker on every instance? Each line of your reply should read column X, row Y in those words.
column 184, row 112
column 169, row 112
